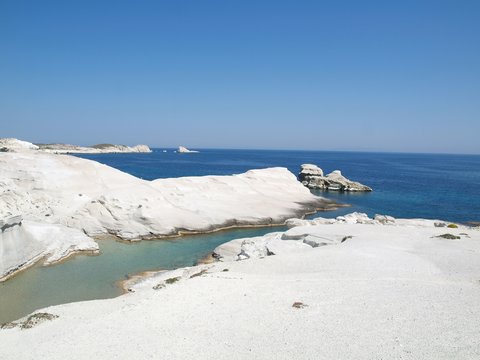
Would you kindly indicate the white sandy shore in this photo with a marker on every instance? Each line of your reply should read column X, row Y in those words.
column 393, row 291
column 91, row 199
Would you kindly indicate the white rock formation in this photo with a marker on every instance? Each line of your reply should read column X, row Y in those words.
column 312, row 177
column 302, row 222
column 184, row 150
column 311, row 170
column 23, row 243
column 98, row 200
column 10, row 144
column 309, row 232
column 95, row 149
column 361, row 218
column 395, row 291
column 384, row 219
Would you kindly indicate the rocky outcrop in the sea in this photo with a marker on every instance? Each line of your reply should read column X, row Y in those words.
column 184, row 150
column 312, row 177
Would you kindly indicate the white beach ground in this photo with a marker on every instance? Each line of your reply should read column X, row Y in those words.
column 388, row 291
column 80, row 199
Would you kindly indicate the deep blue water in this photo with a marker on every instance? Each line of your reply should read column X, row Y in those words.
column 436, row 186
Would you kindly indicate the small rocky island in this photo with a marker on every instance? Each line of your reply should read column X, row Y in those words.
column 312, row 177
column 184, row 150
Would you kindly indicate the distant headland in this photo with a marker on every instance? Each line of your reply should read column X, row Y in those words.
column 10, row 144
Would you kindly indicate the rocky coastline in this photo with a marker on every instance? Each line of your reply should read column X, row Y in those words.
column 329, row 277
column 12, row 145
column 80, row 200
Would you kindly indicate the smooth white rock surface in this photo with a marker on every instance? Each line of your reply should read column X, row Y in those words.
column 22, row 245
column 311, row 169
column 97, row 199
column 11, row 144
column 392, row 291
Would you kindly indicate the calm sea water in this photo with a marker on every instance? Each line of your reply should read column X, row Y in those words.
column 405, row 185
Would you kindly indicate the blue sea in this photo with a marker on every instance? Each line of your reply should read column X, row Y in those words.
column 434, row 186
column 405, row 185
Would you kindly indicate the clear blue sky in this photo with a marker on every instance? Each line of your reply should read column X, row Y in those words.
column 333, row 75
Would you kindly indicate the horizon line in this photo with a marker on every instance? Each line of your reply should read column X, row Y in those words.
column 317, row 150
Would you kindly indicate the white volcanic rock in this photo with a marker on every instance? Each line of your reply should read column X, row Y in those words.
column 245, row 248
column 302, row 222
column 184, row 150
column 258, row 247
column 307, row 232
column 141, row 148
column 98, row 200
column 384, row 219
column 361, row 218
column 352, row 218
column 393, row 291
column 312, row 177
column 95, row 149
column 310, row 170
column 10, row 144
column 25, row 242
column 355, row 218
column 313, row 236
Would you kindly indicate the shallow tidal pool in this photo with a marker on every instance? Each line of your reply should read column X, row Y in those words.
column 84, row 277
